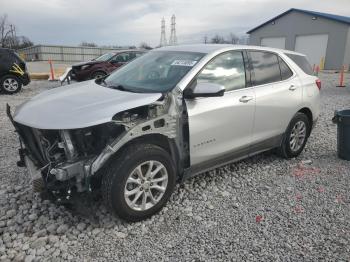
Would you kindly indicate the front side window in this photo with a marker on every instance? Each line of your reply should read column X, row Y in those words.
column 156, row 71
column 226, row 69
column 121, row 58
column 133, row 55
column 265, row 67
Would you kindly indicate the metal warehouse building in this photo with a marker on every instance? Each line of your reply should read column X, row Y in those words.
column 324, row 38
column 62, row 53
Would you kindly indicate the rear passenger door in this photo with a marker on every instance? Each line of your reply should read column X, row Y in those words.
column 278, row 95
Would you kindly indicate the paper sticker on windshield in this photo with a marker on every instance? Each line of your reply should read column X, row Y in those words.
column 184, row 63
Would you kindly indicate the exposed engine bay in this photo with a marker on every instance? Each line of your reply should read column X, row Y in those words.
column 65, row 160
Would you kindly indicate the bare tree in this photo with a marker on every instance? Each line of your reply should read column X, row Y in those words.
column 233, row 38
column 87, row 44
column 205, row 39
column 243, row 40
column 144, row 45
column 8, row 35
column 218, row 39
column 6, row 31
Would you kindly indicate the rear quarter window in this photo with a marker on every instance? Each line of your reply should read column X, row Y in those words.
column 285, row 70
column 302, row 62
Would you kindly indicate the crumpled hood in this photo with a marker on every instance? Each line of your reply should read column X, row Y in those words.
column 92, row 62
column 79, row 105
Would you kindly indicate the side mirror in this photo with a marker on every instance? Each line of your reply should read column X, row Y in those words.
column 204, row 89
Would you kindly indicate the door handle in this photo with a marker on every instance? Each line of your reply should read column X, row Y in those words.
column 245, row 99
column 292, row 87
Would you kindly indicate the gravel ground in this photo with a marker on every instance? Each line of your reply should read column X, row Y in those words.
column 261, row 209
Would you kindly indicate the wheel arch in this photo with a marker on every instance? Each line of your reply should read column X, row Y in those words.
column 97, row 70
column 164, row 142
column 307, row 111
column 11, row 74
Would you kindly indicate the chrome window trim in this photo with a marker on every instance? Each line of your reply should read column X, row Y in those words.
column 188, row 78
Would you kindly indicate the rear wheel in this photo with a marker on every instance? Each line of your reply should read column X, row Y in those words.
column 98, row 74
column 295, row 136
column 139, row 182
column 10, row 84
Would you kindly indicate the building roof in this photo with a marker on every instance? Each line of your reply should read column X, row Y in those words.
column 337, row 18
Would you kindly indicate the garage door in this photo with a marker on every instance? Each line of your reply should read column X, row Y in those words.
column 313, row 46
column 276, row 42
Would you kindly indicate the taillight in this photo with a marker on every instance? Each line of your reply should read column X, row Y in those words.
column 318, row 83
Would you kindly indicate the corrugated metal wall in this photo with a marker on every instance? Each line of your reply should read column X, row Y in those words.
column 62, row 53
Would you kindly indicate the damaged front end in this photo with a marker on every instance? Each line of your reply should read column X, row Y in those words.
column 62, row 161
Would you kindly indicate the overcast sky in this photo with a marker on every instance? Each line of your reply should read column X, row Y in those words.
column 129, row 22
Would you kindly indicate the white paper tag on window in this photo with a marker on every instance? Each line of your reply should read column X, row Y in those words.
column 183, row 63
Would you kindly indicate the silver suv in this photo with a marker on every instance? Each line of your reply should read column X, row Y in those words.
column 170, row 114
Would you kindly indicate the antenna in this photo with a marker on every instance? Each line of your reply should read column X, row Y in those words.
column 173, row 38
column 162, row 34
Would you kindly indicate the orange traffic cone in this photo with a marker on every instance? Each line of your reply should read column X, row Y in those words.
column 341, row 77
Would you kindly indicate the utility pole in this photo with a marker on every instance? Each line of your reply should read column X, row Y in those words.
column 11, row 32
column 163, row 41
column 173, row 38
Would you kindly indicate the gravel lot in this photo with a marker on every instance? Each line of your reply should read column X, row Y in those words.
column 261, row 209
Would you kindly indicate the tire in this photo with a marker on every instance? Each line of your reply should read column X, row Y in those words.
column 119, row 173
column 10, row 84
column 286, row 149
column 98, row 74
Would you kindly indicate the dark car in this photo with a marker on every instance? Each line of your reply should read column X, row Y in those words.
column 103, row 65
column 13, row 72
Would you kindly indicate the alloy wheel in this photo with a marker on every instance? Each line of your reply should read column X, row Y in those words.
column 297, row 136
column 146, row 185
column 10, row 84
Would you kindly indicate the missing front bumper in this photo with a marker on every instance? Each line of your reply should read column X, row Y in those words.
column 35, row 175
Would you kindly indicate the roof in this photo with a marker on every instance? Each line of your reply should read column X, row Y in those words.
column 211, row 48
column 199, row 48
column 337, row 18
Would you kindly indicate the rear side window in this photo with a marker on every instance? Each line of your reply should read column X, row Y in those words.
column 302, row 62
column 285, row 70
column 17, row 57
column 265, row 67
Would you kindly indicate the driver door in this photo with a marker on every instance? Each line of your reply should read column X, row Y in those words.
column 221, row 127
column 119, row 60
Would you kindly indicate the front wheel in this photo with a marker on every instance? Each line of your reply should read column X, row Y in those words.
column 295, row 136
column 98, row 75
column 10, row 84
column 139, row 182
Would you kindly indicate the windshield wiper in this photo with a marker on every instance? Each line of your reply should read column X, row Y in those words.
column 119, row 87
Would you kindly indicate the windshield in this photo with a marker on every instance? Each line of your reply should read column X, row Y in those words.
column 156, row 71
column 104, row 57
